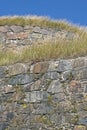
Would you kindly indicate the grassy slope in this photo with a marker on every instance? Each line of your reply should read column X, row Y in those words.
column 38, row 21
column 46, row 51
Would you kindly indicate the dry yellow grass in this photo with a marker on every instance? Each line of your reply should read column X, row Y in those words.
column 48, row 50
column 38, row 21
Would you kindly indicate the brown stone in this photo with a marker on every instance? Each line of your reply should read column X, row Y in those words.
column 20, row 36
column 74, row 83
column 4, row 29
column 75, row 86
column 40, row 67
column 9, row 89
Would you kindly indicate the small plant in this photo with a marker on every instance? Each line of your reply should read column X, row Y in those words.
column 70, row 76
column 49, row 99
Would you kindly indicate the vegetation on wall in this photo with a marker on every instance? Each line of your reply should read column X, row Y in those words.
column 50, row 49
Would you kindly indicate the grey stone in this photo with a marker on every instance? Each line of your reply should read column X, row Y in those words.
column 55, row 87
column 71, row 118
column 1, row 108
column 67, row 75
column 43, row 108
column 51, row 75
column 84, row 86
column 2, row 37
column 79, row 62
column 2, row 84
column 28, row 27
column 17, row 68
column 59, row 97
column 77, row 97
column 3, row 71
column 10, row 116
column 32, row 86
column 64, row 65
column 36, row 29
column 3, row 126
column 21, row 79
column 16, row 29
column 70, row 35
column 53, row 97
column 56, row 118
column 36, row 96
column 83, row 121
column 82, row 107
column 80, row 73
column 85, row 89
column 44, row 32
column 36, row 35
column 53, row 65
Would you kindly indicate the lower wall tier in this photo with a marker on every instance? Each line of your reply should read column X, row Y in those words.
column 50, row 95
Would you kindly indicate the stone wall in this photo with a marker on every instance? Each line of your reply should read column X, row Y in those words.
column 50, row 95
column 27, row 35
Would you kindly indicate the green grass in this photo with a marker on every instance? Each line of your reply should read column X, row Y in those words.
column 38, row 21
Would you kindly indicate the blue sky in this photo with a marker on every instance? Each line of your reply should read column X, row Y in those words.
column 71, row 10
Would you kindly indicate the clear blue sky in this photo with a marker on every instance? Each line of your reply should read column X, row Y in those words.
column 71, row 10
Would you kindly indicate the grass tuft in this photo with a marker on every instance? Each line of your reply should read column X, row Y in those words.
column 38, row 21
column 46, row 51
column 49, row 49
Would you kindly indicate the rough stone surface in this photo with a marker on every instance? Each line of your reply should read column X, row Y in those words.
column 28, row 35
column 16, row 29
column 49, row 95
column 4, row 29
column 2, row 37
column 40, row 67
column 44, row 95
column 21, row 79
column 55, row 87
column 17, row 69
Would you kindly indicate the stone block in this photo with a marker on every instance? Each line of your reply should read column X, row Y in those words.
column 83, row 121
column 2, row 37
column 43, row 108
column 16, row 28
column 15, row 36
column 75, row 86
column 36, row 29
column 17, row 68
column 36, row 96
column 55, row 87
column 40, row 67
column 21, row 79
column 3, row 71
column 78, row 62
column 64, row 65
column 80, row 73
column 4, row 29
column 37, row 35
column 51, row 75
column 53, row 65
